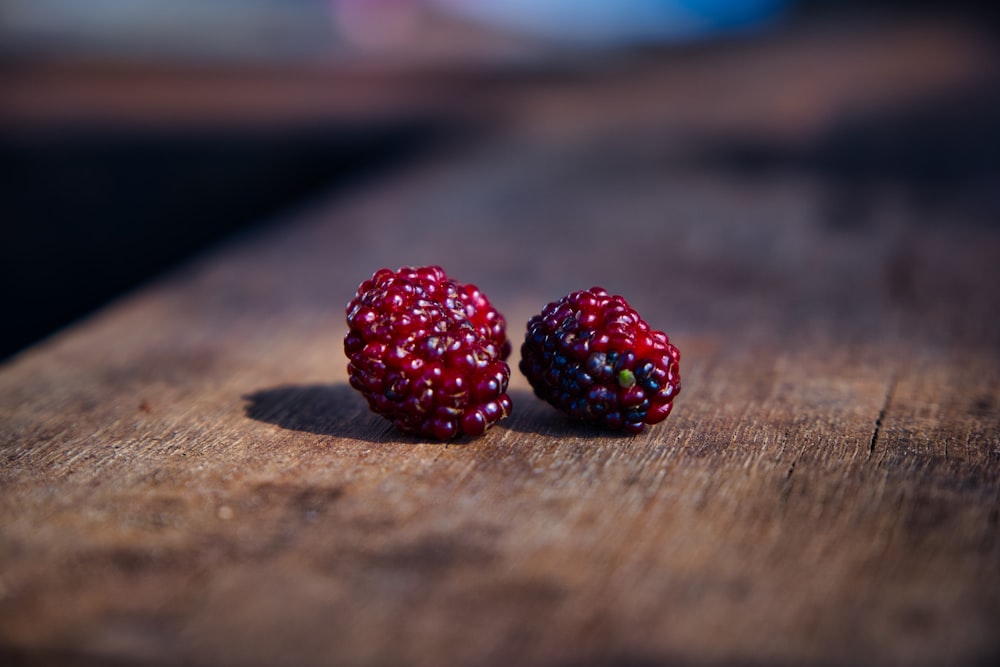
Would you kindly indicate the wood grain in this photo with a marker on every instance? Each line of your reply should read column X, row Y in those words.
column 187, row 478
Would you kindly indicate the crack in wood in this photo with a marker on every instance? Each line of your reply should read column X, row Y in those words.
column 786, row 485
column 873, row 442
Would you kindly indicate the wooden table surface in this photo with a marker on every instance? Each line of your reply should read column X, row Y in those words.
column 186, row 477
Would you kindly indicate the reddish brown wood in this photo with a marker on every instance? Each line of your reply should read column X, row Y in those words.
column 186, row 478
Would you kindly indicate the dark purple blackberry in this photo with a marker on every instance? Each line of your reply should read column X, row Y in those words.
column 428, row 352
column 591, row 355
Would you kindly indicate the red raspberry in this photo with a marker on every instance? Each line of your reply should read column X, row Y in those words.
column 591, row 355
column 428, row 352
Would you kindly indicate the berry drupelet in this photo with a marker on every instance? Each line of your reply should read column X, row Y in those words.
column 591, row 355
column 428, row 352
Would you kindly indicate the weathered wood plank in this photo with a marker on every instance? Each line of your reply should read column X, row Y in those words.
column 187, row 477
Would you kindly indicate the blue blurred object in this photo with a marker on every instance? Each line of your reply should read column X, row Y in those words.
column 618, row 22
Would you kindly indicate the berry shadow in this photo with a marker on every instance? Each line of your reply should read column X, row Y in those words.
column 533, row 415
column 338, row 410
column 323, row 409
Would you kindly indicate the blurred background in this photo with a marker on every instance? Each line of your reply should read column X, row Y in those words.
column 137, row 133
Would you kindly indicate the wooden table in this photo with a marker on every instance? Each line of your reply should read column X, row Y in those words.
column 186, row 477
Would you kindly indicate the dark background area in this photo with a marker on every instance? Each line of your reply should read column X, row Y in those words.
column 940, row 156
column 93, row 211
